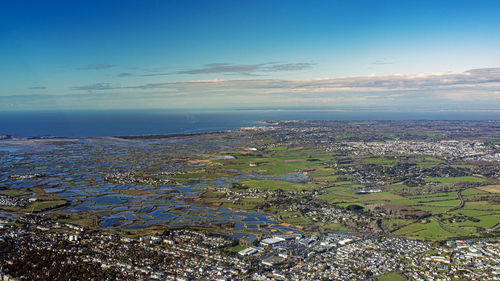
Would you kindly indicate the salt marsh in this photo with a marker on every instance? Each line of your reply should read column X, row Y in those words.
column 78, row 170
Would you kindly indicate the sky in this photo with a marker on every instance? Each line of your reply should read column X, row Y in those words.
column 223, row 55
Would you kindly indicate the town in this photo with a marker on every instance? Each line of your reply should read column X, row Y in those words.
column 29, row 241
column 290, row 200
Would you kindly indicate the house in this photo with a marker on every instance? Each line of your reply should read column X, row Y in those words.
column 268, row 242
column 248, row 251
column 272, row 260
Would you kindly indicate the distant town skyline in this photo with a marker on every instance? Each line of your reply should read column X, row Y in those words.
column 204, row 55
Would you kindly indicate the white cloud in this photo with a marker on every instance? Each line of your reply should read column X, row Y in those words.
column 477, row 83
column 477, row 89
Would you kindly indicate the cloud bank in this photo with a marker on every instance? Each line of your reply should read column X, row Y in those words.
column 248, row 69
column 485, row 80
column 477, row 89
column 228, row 68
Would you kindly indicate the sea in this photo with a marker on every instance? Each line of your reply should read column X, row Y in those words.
column 151, row 122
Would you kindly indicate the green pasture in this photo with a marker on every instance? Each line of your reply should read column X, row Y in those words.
column 236, row 249
column 279, row 160
column 273, row 185
column 445, row 203
column 12, row 192
column 431, row 230
column 481, row 205
column 334, row 226
column 379, row 160
column 43, row 205
column 451, row 180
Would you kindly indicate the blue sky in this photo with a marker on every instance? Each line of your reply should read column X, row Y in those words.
column 67, row 55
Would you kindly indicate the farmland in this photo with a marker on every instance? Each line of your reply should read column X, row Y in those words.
column 426, row 181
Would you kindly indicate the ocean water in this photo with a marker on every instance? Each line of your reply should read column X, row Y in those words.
column 122, row 123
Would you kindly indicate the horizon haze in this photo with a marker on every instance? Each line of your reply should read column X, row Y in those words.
column 212, row 55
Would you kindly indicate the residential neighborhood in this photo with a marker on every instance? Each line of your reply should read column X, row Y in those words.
column 194, row 255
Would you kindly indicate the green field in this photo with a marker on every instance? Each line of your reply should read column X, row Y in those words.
column 434, row 197
column 44, row 205
column 336, row 187
column 430, row 230
column 393, row 223
column 295, row 220
column 293, row 217
column 485, row 221
column 445, row 203
column 451, row 180
column 12, row 192
column 236, row 249
column 471, row 213
column 348, row 193
column 379, row 160
column 473, row 192
column 275, row 185
column 334, row 226
column 335, row 197
column 427, row 161
column 481, row 205
column 431, row 209
column 81, row 220
column 277, row 148
column 278, row 161
column 212, row 194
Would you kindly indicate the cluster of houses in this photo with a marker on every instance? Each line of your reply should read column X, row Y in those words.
column 11, row 201
column 448, row 149
column 26, row 176
column 131, row 177
column 345, row 257
column 179, row 255
column 333, row 257
column 194, row 255
column 328, row 213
